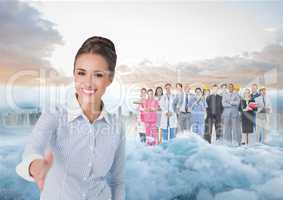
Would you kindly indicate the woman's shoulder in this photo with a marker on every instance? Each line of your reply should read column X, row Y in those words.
column 117, row 122
column 49, row 119
column 52, row 111
column 57, row 114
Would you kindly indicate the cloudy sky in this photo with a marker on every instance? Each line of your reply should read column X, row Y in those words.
column 181, row 41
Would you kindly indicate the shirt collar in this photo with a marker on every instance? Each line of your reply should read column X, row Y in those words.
column 74, row 110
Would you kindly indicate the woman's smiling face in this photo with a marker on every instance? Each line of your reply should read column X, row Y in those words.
column 91, row 76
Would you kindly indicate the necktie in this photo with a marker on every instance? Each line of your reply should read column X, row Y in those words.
column 168, row 98
column 168, row 122
column 187, row 103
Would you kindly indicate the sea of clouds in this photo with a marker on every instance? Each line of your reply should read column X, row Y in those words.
column 186, row 168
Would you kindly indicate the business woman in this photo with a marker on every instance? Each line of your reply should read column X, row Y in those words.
column 85, row 143
column 247, row 114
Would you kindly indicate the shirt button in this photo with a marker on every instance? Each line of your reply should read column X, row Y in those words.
column 85, row 178
column 91, row 148
column 84, row 195
column 89, row 164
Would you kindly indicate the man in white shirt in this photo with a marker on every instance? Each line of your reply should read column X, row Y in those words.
column 184, row 109
column 264, row 109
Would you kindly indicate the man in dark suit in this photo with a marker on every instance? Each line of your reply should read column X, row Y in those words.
column 214, row 111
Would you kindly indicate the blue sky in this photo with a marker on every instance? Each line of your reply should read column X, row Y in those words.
column 269, row 12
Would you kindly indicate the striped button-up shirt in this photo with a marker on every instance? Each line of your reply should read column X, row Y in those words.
column 88, row 158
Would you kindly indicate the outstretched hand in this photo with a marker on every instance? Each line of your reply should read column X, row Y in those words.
column 39, row 168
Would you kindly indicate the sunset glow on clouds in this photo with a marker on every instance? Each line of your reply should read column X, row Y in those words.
column 182, row 41
column 27, row 41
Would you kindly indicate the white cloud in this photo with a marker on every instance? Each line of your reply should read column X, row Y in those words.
column 27, row 40
column 158, row 31
column 270, row 29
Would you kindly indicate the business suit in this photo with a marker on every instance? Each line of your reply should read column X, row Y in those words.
column 254, row 96
column 184, row 112
column 214, row 112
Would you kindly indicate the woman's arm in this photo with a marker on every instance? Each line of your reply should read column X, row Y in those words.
column 205, row 104
column 137, row 102
column 225, row 101
column 155, row 106
column 117, row 170
column 37, row 143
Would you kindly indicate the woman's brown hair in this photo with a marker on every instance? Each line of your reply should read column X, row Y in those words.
column 102, row 46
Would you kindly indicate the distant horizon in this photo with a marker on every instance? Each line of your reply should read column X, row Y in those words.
column 24, row 96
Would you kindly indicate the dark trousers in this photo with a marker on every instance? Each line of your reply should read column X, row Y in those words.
column 209, row 122
column 142, row 137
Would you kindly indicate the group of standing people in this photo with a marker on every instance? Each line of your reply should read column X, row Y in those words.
column 157, row 117
column 233, row 115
